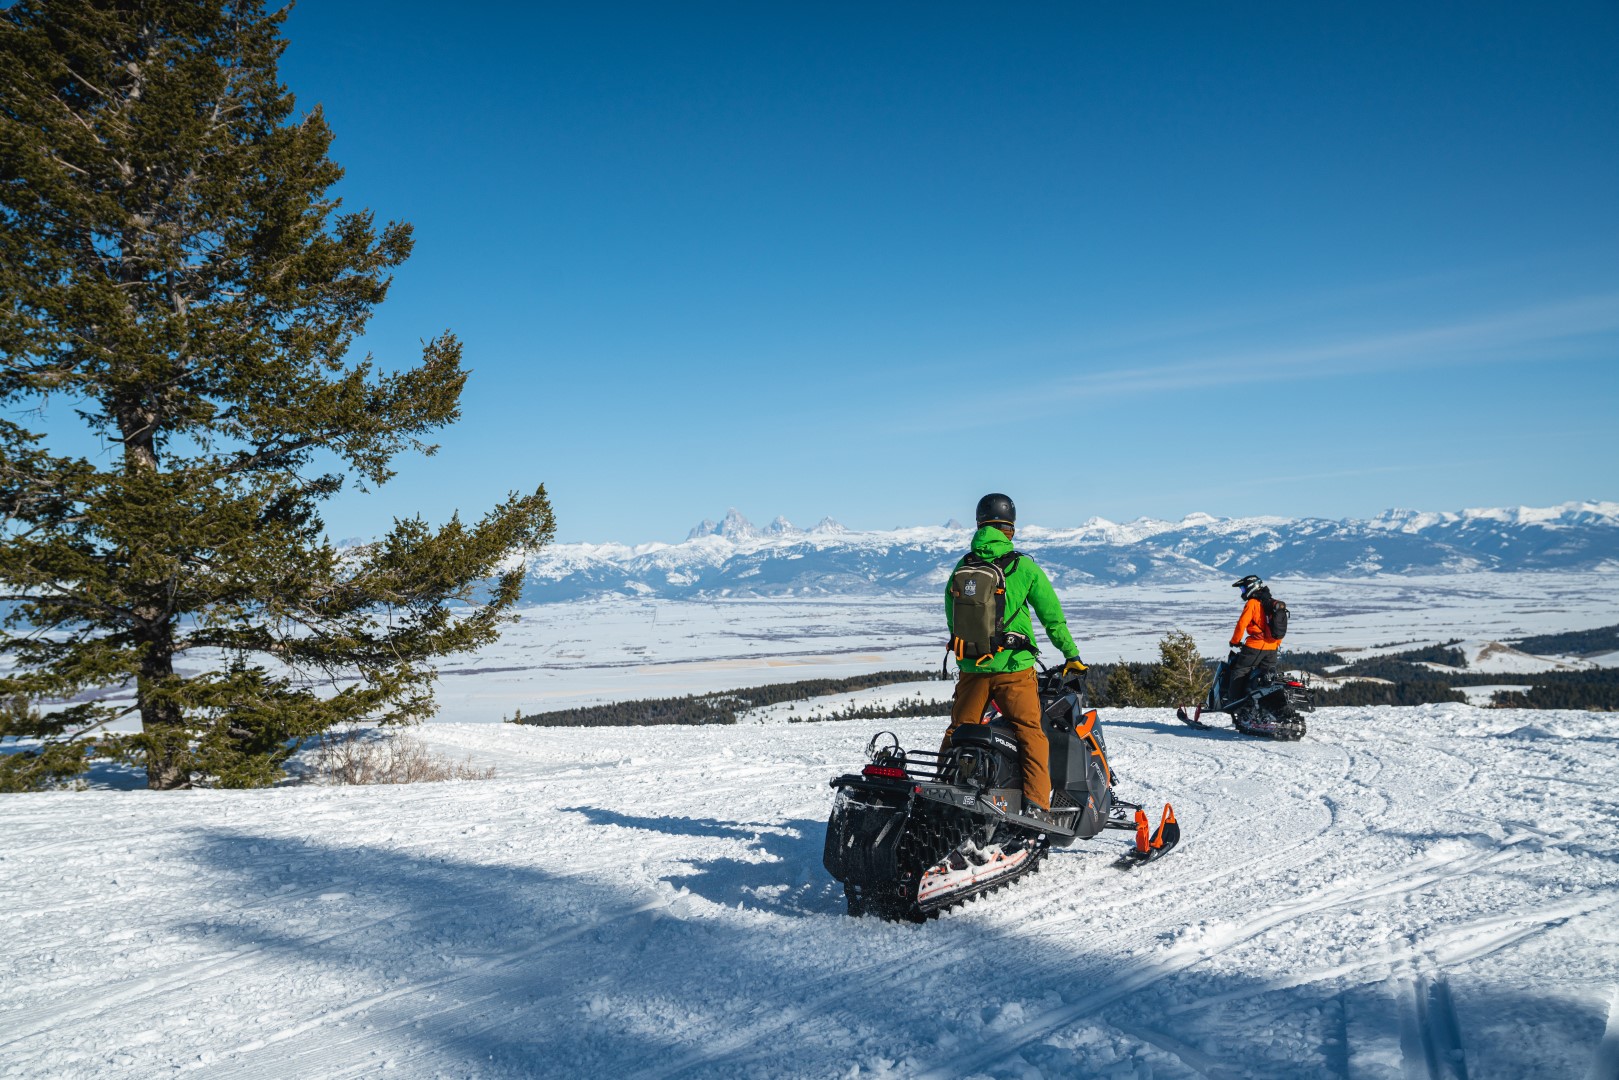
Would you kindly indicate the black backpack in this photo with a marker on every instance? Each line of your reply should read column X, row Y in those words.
column 1276, row 616
column 978, row 594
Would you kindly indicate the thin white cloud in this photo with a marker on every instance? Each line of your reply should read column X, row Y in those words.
column 1232, row 485
column 1515, row 335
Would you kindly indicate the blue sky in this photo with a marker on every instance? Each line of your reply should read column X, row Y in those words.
column 871, row 261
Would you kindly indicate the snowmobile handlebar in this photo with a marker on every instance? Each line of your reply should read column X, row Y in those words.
column 1078, row 681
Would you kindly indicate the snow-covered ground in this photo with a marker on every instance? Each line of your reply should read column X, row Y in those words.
column 1427, row 892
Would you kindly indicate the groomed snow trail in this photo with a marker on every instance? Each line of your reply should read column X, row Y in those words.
column 1428, row 893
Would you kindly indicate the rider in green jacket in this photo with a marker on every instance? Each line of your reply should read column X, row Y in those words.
column 1008, row 676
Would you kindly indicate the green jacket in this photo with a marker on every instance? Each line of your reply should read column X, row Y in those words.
column 1026, row 587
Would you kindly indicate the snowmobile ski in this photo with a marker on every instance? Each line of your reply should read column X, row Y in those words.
column 1154, row 845
column 1195, row 719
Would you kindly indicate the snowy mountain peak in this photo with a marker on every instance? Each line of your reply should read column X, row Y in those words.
column 734, row 527
column 955, row 525
column 737, row 527
column 1587, row 512
column 781, row 527
column 826, row 525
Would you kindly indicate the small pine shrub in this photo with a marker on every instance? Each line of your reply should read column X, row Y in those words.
column 369, row 756
column 1183, row 676
column 1133, row 686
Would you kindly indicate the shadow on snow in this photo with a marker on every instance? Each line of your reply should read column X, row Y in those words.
column 494, row 969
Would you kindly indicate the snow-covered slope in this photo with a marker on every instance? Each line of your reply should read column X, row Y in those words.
column 1428, row 892
column 736, row 558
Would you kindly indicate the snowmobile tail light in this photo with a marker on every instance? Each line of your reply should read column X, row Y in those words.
column 883, row 770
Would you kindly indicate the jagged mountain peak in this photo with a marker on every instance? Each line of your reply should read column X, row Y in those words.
column 733, row 526
column 737, row 527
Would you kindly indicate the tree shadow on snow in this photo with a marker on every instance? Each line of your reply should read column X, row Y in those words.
column 786, row 877
column 350, row 957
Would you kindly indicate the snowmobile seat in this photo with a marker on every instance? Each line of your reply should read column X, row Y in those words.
column 971, row 735
column 986, row 736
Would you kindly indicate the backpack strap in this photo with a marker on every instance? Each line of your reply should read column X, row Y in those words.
column 1015, row 642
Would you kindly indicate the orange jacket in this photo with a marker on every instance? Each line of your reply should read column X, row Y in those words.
column 1253, row 629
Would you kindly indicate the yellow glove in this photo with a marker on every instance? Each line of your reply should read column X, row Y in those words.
column 1074, row 666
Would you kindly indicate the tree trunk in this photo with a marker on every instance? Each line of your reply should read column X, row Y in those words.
column 161, row 722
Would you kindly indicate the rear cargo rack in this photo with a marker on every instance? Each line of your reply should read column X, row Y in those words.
column 922, row 766
column 891, row 760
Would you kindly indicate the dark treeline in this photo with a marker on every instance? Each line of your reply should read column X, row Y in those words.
column 905, row 707
column 1126, row 684
column 722, row 706
column 1573, row 642
column 1317, row 662
column 1409, row 682
column 1597, row 690
column 1379, row 693
column 1409, row 667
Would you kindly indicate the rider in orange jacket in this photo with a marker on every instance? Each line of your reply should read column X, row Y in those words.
column 1252, row 645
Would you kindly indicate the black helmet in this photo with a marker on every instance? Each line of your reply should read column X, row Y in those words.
column 996, row 509
column 1249, row 585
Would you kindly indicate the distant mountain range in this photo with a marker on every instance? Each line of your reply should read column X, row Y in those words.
column 734, row 557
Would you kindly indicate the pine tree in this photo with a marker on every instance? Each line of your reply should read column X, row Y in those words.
column 1132, row 686
column 176, row 274
column 1182, row 679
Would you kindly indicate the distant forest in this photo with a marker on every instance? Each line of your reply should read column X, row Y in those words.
column 1407, row 681
column 1124, row 684
column 1573, row 643
column 1410, row 683
column 722, row 706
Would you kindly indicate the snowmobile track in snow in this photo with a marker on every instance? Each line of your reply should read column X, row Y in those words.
column 325, row 1057
column 1119, row 982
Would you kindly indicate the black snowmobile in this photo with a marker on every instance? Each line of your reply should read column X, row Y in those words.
column 916, row 832
column 1272, row 706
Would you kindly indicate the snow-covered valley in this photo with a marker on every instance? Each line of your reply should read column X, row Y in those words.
column 615, row 649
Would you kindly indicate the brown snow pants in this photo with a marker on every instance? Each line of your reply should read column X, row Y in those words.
column 1018, row 695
